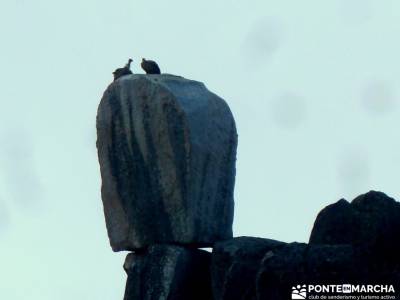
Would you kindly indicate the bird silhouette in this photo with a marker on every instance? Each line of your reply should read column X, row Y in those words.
column 150, row 67
column 126, row 70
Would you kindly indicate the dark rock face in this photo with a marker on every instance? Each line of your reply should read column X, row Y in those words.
column 167, row 152
column 355, row 243
column 168, row 272
column 297, row 263
column 235, row 264
column 248, row 268
column 371, row 222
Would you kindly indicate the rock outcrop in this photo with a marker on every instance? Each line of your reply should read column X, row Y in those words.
column 351, row 243
column 235, row 264
column 371, row 222
column 254, row 268
column 299, row 263
column 167, row 152
column 168, row 272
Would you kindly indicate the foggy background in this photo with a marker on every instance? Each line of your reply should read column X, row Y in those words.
column 313, row 86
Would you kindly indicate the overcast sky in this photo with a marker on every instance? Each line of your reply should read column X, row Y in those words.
column 313, row 85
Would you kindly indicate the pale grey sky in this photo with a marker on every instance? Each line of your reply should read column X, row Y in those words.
column 313, row 85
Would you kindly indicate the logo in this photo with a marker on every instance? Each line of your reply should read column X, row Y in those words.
column 299, row 292
column 346, row 288
column 336, row 291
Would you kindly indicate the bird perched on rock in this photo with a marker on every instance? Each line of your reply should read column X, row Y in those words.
column 126, row 70
column 150, row 67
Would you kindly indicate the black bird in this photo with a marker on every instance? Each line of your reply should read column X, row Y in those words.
column 150, row 67
column 126, row 70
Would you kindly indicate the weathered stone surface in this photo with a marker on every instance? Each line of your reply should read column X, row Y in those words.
column 235, row 264
column 296, row 263
column 371, row 222
column 167, row 152
column 251, row 268
column 168, row 272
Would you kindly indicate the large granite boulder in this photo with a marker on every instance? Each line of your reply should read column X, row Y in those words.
column 167, row 152
column 234, row 266
column 370, row 222
column 168, row 272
